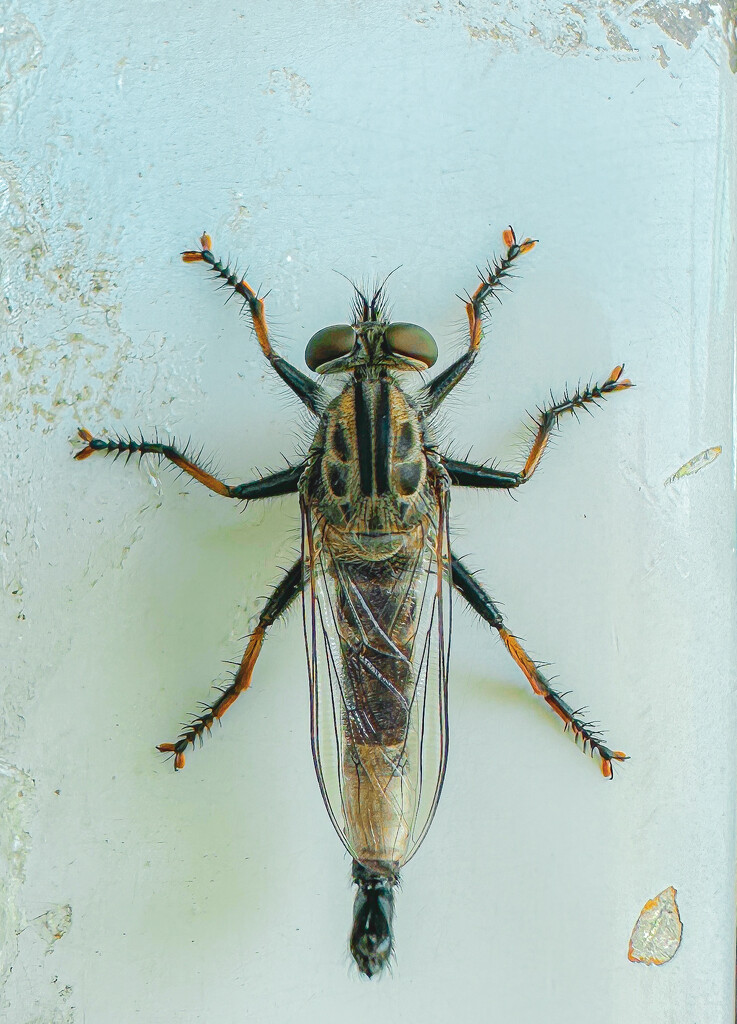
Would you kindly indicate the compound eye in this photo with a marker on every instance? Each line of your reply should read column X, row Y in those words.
column 328, row 344
column 412, row 341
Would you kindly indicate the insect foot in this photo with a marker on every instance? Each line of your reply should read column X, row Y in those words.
column 171, row 748
column 93, row 444
column 591, row 741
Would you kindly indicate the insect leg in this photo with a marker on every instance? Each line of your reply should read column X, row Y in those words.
column 469, row 588
column 491, row 281
column 283, row 482
column 308, row 392
column 288, row 588
column 466, row 474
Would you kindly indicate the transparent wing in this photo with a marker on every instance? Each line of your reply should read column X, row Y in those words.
column 377, row 627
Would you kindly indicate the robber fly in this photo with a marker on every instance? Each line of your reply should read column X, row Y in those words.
column 375, row 571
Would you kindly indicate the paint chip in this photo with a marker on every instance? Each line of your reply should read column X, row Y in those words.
column 150, row 466
column 698, row 462
column 54, row 924
column 657, row 934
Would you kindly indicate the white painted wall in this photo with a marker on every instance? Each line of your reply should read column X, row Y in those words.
column 358, row 136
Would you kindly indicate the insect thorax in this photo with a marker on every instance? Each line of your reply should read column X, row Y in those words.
column 368, row 468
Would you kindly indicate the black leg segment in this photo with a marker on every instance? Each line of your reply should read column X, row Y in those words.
column 467, row 585
column 308, row 391
column 492, row 279
column 285, row 592
column 467, row 474
column 286, row 481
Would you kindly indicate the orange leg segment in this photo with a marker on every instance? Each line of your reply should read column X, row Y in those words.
column 548, row 416
column 591, row 740
column 307, row 390
column 284, row 594
column 491, row 281
column 468, row 474
column 283, row 482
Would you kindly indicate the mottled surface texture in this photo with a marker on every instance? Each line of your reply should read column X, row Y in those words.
column 358, row 137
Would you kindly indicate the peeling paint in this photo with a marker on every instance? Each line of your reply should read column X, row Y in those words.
column 680, row 21
column 15, row 843
column 614, row 35
column 502, row 32
column 241, row 212
column 54, row 924
column 615, row 30
column 58, row 1016
column 286, row 82
column 20, row 64
column 42, row 378
column 150, row 467
column 729, row 21
column 90, row 190
column 662, row 57
column 68, row 363
column 657, row 934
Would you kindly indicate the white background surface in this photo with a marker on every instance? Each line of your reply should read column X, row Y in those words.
column 357, row 137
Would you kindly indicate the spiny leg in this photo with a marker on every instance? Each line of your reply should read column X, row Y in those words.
column 310, row 393
column 469, row 588
column 284, row 482
column 284, row 594
column 491, row 281
column 467, row 474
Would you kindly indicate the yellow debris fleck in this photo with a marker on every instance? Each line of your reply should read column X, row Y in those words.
column 696, row 463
